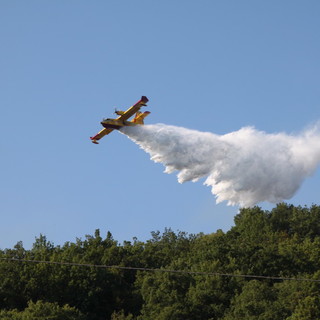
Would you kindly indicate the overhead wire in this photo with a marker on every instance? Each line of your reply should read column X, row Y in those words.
column 189, row 272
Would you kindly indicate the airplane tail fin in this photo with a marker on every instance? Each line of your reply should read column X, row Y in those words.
column 139, row 117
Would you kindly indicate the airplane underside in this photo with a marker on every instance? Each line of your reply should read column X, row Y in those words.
column 110, row 124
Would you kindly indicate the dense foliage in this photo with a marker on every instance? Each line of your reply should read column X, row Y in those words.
column 284, row 242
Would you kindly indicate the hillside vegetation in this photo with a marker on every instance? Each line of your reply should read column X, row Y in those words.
column 282, row 243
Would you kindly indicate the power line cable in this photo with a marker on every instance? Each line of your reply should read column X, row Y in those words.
column 87, row 265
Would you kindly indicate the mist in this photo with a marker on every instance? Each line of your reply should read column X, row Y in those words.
column 243, row 167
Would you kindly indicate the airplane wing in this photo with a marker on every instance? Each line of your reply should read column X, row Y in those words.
column 135, row 108
column 100, row 135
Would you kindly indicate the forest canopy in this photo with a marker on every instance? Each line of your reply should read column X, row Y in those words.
column 239, row 274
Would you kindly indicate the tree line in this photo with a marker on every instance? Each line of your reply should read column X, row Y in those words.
column 217, row 284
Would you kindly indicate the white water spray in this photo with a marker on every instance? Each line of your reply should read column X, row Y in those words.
column 244, row 167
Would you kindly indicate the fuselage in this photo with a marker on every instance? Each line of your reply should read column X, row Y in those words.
column 116, row 124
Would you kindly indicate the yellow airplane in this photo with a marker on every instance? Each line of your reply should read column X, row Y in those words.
column 111, row 124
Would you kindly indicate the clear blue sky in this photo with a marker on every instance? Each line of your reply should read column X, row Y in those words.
column 207, row 65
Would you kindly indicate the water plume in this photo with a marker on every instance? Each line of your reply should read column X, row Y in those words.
column 243, row 167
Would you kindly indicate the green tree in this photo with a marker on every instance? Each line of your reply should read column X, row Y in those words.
column 257, row 301
column 284, row 242
column 43, row 311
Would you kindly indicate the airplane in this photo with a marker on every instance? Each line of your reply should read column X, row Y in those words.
column 112, row 124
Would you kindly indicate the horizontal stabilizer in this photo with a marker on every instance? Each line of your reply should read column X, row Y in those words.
column 139, row 117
